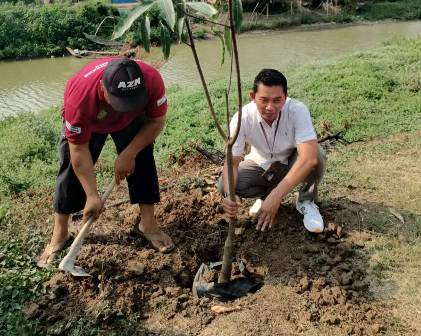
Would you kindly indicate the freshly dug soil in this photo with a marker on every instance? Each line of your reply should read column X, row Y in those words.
column 313, row 283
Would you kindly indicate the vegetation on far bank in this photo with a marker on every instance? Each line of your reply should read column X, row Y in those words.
column 350, row 12
column 44, row 30
column 33, row 31
column 368, row 95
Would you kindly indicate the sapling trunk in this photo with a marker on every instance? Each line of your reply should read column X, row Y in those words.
column 225, row 274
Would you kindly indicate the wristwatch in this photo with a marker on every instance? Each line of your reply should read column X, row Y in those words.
column 226, row 194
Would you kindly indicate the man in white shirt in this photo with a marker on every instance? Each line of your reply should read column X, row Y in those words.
column 284, row 153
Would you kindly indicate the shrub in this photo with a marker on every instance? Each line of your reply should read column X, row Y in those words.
column 47, row 30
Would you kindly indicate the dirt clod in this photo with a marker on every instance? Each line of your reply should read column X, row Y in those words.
column 173, row 291
column 330, row 228
column 320, row 283
column 377, row 328
column 346, row 278
column 136, row 267
column 339, row 232
column 303, row 285
column 32, row 310
column 330, row 318
column 332, row 240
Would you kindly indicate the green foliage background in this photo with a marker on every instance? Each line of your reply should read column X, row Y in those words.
column 30, row 31
column 398, row 10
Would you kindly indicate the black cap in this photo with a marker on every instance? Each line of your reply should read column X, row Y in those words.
column 125, row 85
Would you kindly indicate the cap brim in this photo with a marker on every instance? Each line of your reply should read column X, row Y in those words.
column 128, row 104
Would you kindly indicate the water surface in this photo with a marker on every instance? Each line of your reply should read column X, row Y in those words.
column 34, row 85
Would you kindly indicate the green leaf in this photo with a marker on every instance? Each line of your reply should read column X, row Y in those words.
column 237, row 11
column 167, row 12
column 202, row 9
column 179, row 26
column 145, row 32
column 126, row 23
column 221, row 39
column 102, row 40
column 228, row 41
column 165, row 41
column 180, row 8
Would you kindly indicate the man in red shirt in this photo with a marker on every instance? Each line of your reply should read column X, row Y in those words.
column 123, row 98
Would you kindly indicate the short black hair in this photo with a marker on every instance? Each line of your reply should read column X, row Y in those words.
column 270, row 77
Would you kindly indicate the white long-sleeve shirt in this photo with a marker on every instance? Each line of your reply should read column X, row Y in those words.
column 295, row 127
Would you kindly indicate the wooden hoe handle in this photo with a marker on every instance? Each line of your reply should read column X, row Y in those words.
column 68, row 262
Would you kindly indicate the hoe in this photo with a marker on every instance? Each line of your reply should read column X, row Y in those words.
column 68, row 262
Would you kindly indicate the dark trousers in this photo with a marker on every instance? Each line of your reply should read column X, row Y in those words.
column 251, row 183
column 69, row 196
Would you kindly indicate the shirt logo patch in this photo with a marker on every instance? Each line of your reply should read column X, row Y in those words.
column 101, row 115
column 73, row 129
column 161, row 101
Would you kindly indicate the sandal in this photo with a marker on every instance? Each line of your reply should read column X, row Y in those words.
column 156, row 239
column 51, row 252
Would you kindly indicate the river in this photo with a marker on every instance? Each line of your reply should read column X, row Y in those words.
column 33, row 85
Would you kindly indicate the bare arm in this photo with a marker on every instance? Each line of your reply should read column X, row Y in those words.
column 125, row 162
column 84, row 168
column 306, row 161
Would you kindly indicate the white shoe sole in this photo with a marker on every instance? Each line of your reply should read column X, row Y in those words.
column 314, row 228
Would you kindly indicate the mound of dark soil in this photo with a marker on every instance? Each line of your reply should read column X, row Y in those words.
column 131, row 280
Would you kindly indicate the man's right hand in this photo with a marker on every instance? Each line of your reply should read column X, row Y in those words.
column 92, row 208
column 231, row 207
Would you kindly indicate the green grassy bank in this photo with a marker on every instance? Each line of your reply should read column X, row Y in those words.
column 369, row 95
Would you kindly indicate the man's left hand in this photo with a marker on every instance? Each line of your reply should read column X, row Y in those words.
column 268, row 212
column 124, row 166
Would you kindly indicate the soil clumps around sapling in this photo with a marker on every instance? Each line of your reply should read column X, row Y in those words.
column 130, row 279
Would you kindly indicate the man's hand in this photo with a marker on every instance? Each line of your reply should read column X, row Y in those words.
column 124, row 166
column 92, row 208
column 231, row 207
column 268, row 212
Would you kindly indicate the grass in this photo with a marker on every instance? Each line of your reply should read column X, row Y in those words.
column 383, row 177
column 382, row 167
column 399, row 10
column 20, row 279
column 372, row 96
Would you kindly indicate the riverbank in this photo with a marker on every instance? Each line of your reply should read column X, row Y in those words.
column 25, row 32
column 362, row 13
column 373, row 97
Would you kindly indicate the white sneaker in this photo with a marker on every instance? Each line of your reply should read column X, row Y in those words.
column 254, row 210
column 313, row 220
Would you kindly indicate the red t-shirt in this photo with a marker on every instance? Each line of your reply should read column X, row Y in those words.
column 85, row 110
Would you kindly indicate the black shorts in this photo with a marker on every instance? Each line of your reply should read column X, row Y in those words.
column 69, row 196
